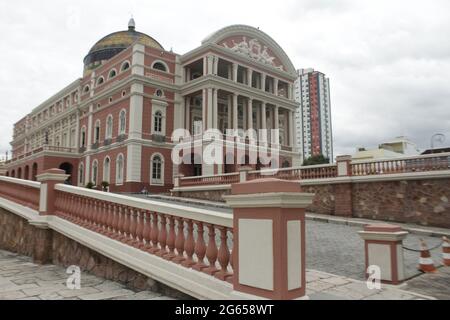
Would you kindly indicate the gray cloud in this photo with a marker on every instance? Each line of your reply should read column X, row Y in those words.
column 388, row 61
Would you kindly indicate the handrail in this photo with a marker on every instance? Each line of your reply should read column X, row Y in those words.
column 28, row 183
column 208, row 216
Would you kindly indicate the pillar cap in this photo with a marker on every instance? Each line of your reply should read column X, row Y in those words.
column 268, row 193
column 265, row 185
column 245, row 168
column 53, row 175
column 344, row 158
column 382, row 227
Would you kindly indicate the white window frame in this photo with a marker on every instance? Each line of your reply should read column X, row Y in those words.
column 109, row 126
column 160, row 106
column 157, row 182
column 120, row 180
column 81, row 174
column 97, row 123
column 163, row 63
column 83, row 130
column 98, row 81
column 123, row 64
column 94, row 178
column 107, row 173
column 109, row 73
column 124, row 112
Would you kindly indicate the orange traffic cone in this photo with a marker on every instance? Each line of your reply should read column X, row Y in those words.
column 446, row 251
column 426, row 264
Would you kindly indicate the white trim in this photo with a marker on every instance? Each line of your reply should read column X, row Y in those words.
column 109, row 73
column 203, row 188
column 109, row 169
column 163, row 63
column 21, row 211
column 109, row 135
column 94, row 181
column 81, row 170
column 125, row 127
column 118, row 181
column 97, row 139
column 123, row 64
column 270, row 200
column 157, row 182
column 383, row 236
column 33, row 184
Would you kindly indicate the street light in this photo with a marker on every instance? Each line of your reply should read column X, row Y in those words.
column 439, row 137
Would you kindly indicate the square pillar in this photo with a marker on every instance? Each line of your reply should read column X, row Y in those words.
column 49, row 178
column 383, row 246
column 235, row 111
column 344, row 165
column 269, row 238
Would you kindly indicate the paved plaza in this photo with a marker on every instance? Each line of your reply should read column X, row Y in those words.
column 21, row 279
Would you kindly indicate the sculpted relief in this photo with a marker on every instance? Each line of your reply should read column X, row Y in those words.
column 253, row 49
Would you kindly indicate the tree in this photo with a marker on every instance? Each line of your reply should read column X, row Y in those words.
column 317, row 159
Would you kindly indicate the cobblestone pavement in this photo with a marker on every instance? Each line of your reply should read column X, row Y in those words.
column 338, row 249
column 325, row 286
column 433, row 284
column 20, row 279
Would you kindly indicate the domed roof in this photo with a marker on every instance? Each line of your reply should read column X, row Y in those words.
column 112, row 44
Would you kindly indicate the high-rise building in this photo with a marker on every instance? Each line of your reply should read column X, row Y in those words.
column 313, row 116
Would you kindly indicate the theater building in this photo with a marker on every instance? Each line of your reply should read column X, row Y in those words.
column 115, row 123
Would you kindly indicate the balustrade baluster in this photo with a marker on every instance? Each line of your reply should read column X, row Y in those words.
column 120, row 223
column 162, row 238
column 211, row 251
column 189, row 244
column 154, row 234
column 230, row 278
column 171, row 239
column 147, row 231
column 133, row 227
column 140, row 229
column 126, row 225
column 223, row 255
column 179, row 241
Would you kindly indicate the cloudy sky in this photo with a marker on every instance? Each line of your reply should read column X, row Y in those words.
column 388, row 61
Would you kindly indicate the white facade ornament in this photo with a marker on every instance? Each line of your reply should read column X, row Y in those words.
column 254, row 50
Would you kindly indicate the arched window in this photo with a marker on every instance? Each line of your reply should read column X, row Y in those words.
column 157, row 170
column 112, row 74
column 94, row 172
column 83, row 137
column 106, row 169
column 97, row 132
column 109, row 127
column 81, row 175
column 122, row 122
column 13, row 173
column 119, row 169
column 86, row 89
column 100, row 81
column 125, row 66
column 159, row 66
column 157, row 124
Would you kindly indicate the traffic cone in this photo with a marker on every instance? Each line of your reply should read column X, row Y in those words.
column 426, row 264
column 446, row 251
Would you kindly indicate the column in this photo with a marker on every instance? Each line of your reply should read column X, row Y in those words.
column 209, row 123
column 187, row 111
column 276, row 122
column 204, row 109
column 216, row 64
column 89, row 129
column 249, row 77
column 292, row 141
column 275, row 86
column 205, row 65
column 136, row 110
column 263, row 116
column 230, row 112
column 235, row 71
column 250, row 113
column 49, row 179
column 263, row 82
column 210, row 63
column 269, row 231
column 235, row 111
column 215, row 109
column 383, row 244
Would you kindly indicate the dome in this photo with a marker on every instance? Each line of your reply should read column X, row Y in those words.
column 112, row 44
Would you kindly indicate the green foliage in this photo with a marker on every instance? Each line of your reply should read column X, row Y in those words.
column 318, row 159
column 90, row 185
column 105, row 185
